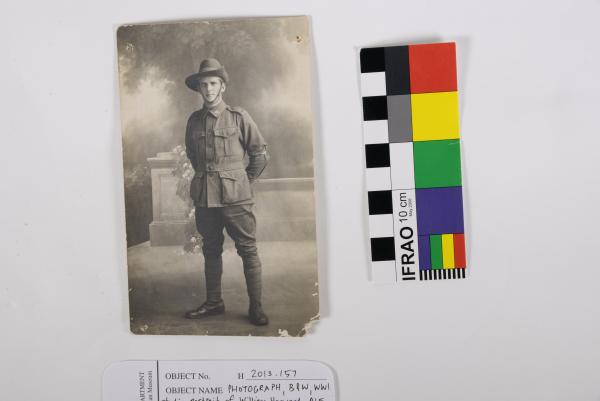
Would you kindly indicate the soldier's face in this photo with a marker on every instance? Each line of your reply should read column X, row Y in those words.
column 211, row 89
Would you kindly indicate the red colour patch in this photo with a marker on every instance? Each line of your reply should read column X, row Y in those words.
column 432, row 67
column 460, row 260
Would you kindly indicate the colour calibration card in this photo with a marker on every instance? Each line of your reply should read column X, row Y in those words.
column 411, row 135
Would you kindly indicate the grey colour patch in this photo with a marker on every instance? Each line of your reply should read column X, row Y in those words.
column 399, row 118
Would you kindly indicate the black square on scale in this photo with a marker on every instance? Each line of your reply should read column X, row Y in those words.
column 397, row 76
column 382, row 249
column 375, row 108
column 372, row 59
column 377, row 155
column 380, row 202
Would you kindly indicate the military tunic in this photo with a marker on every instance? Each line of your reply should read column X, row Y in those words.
column 227, row 152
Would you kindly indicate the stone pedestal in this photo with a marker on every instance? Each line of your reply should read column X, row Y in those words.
column 169, row 211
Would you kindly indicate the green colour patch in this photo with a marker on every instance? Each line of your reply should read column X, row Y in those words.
column 435, row 244
column 437, row 163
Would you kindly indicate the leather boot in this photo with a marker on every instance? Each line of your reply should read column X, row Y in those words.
column 205, row 310
column 256, row 314
column 252, row 272
column 213, row 270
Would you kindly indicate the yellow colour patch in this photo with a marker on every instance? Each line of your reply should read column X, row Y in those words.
column 448, row 251
column 435, row 116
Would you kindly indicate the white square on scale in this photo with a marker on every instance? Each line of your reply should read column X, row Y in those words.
column 402, row 165
column 372, row 84
column 381, row 225
column 378, row 179
column 383, row 272
column 375, row 131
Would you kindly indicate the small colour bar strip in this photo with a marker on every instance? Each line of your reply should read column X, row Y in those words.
column 435, row 244
column 424, row 253
column 448, row 251
column 459, row 251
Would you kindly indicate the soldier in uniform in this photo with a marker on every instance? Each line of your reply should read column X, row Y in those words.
column 228, row 153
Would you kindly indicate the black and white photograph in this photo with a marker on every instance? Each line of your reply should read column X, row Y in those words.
column 217, row 136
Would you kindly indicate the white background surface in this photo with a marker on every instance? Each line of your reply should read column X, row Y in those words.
column 524, row 326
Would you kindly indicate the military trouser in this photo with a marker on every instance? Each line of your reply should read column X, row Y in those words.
column 240, row 224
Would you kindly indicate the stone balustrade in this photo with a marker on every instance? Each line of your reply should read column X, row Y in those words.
column 284, row 207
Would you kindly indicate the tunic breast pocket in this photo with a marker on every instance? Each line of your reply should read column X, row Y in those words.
column 227, row 141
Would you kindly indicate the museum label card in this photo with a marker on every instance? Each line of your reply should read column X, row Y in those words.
column 212, row 380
